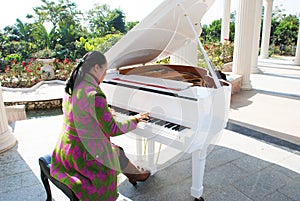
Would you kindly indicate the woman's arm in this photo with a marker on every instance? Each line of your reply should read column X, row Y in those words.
column 109, row 125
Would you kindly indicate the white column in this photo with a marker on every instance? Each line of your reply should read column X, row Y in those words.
column 257, row 26
column 187, row 55
column 225, row 29
column 297, row 56
column 243, row 42
column 264, row 53
column 7, row 140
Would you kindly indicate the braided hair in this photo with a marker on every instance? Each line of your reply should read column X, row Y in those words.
column 85, row 64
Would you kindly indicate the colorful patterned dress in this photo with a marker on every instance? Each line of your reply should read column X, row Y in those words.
column 84, row 158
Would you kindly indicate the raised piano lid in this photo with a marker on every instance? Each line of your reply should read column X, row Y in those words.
column 162, row 32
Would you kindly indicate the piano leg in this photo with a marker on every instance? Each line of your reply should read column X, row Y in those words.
column 198, row 165
column 139, row 148
column 151, row 154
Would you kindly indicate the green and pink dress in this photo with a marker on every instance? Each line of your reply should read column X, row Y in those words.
column 84, row 158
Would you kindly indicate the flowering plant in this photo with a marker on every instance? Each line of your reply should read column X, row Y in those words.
column 28, row 73
column 21, row 74
column 63, row 68
column 219, row 53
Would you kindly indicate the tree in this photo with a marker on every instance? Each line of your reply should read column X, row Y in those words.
column 130, row 25
column 54, row 13
column 104, row 21
column 43, row 38
column 286, row 31
column 65, row 19
column 117, row 21
column 212, row 33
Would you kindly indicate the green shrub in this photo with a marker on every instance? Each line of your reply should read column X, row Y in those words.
column 44, row 54
column 13, row 57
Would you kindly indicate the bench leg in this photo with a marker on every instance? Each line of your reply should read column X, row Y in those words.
column 46, row 185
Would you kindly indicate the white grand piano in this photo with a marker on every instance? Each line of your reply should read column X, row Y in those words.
column 188, row 105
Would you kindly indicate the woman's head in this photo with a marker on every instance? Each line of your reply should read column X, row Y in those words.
column 93, row 63
column 91, row 59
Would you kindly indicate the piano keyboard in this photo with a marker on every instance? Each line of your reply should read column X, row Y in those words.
column 154, row 125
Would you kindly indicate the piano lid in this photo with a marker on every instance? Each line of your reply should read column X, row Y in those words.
column 161, row 33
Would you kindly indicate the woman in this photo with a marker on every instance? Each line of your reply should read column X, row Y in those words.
column 84, row 158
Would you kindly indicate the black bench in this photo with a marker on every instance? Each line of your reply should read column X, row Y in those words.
column 44, row 163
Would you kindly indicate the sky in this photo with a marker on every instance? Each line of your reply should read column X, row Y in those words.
column 135, row 10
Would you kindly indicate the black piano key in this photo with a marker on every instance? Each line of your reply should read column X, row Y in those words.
column 169, row 125
column 131, row 113
column 153, row 120
column 181, row 128
column 176, row 127
column 173, row 126
column 161, row 122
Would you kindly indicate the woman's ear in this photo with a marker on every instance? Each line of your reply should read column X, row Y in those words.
column 96, row 68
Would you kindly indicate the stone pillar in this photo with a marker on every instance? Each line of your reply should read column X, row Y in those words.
column 244, row 34
column 297, row 56
column 257, row 26
column 187, row 55
column 7, row 140
column 264, row 53
column 225, row 30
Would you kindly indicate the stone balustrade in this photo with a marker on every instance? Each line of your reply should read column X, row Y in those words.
column 37, row 105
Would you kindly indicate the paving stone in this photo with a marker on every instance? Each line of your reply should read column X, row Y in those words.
column 10, row 156
column 12, row 168
column 224, row 175
column 30, row 193
column 285, row 171
column 292, row 190
column 261, row 183
column 10, row 183
column 251, row 164
column 226, row 193
column 220, row 157
column 29, row 179
column 277, row 196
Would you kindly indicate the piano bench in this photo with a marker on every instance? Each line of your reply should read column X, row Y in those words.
column 44, row 163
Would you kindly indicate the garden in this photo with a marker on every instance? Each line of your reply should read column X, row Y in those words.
column 72, row 33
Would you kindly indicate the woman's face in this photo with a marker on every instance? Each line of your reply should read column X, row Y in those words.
column 103, row 72
column 99, row 72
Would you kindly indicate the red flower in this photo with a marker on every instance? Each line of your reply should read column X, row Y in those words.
column 66, row 61
column 6, row 69
column 23, row 63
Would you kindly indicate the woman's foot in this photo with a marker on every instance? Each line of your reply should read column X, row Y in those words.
column 134, row 174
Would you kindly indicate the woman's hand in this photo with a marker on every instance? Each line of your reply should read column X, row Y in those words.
column 142, row 117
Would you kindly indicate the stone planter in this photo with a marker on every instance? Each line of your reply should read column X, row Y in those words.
column 235, row 81
column 227, row 67
column 47, row 69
